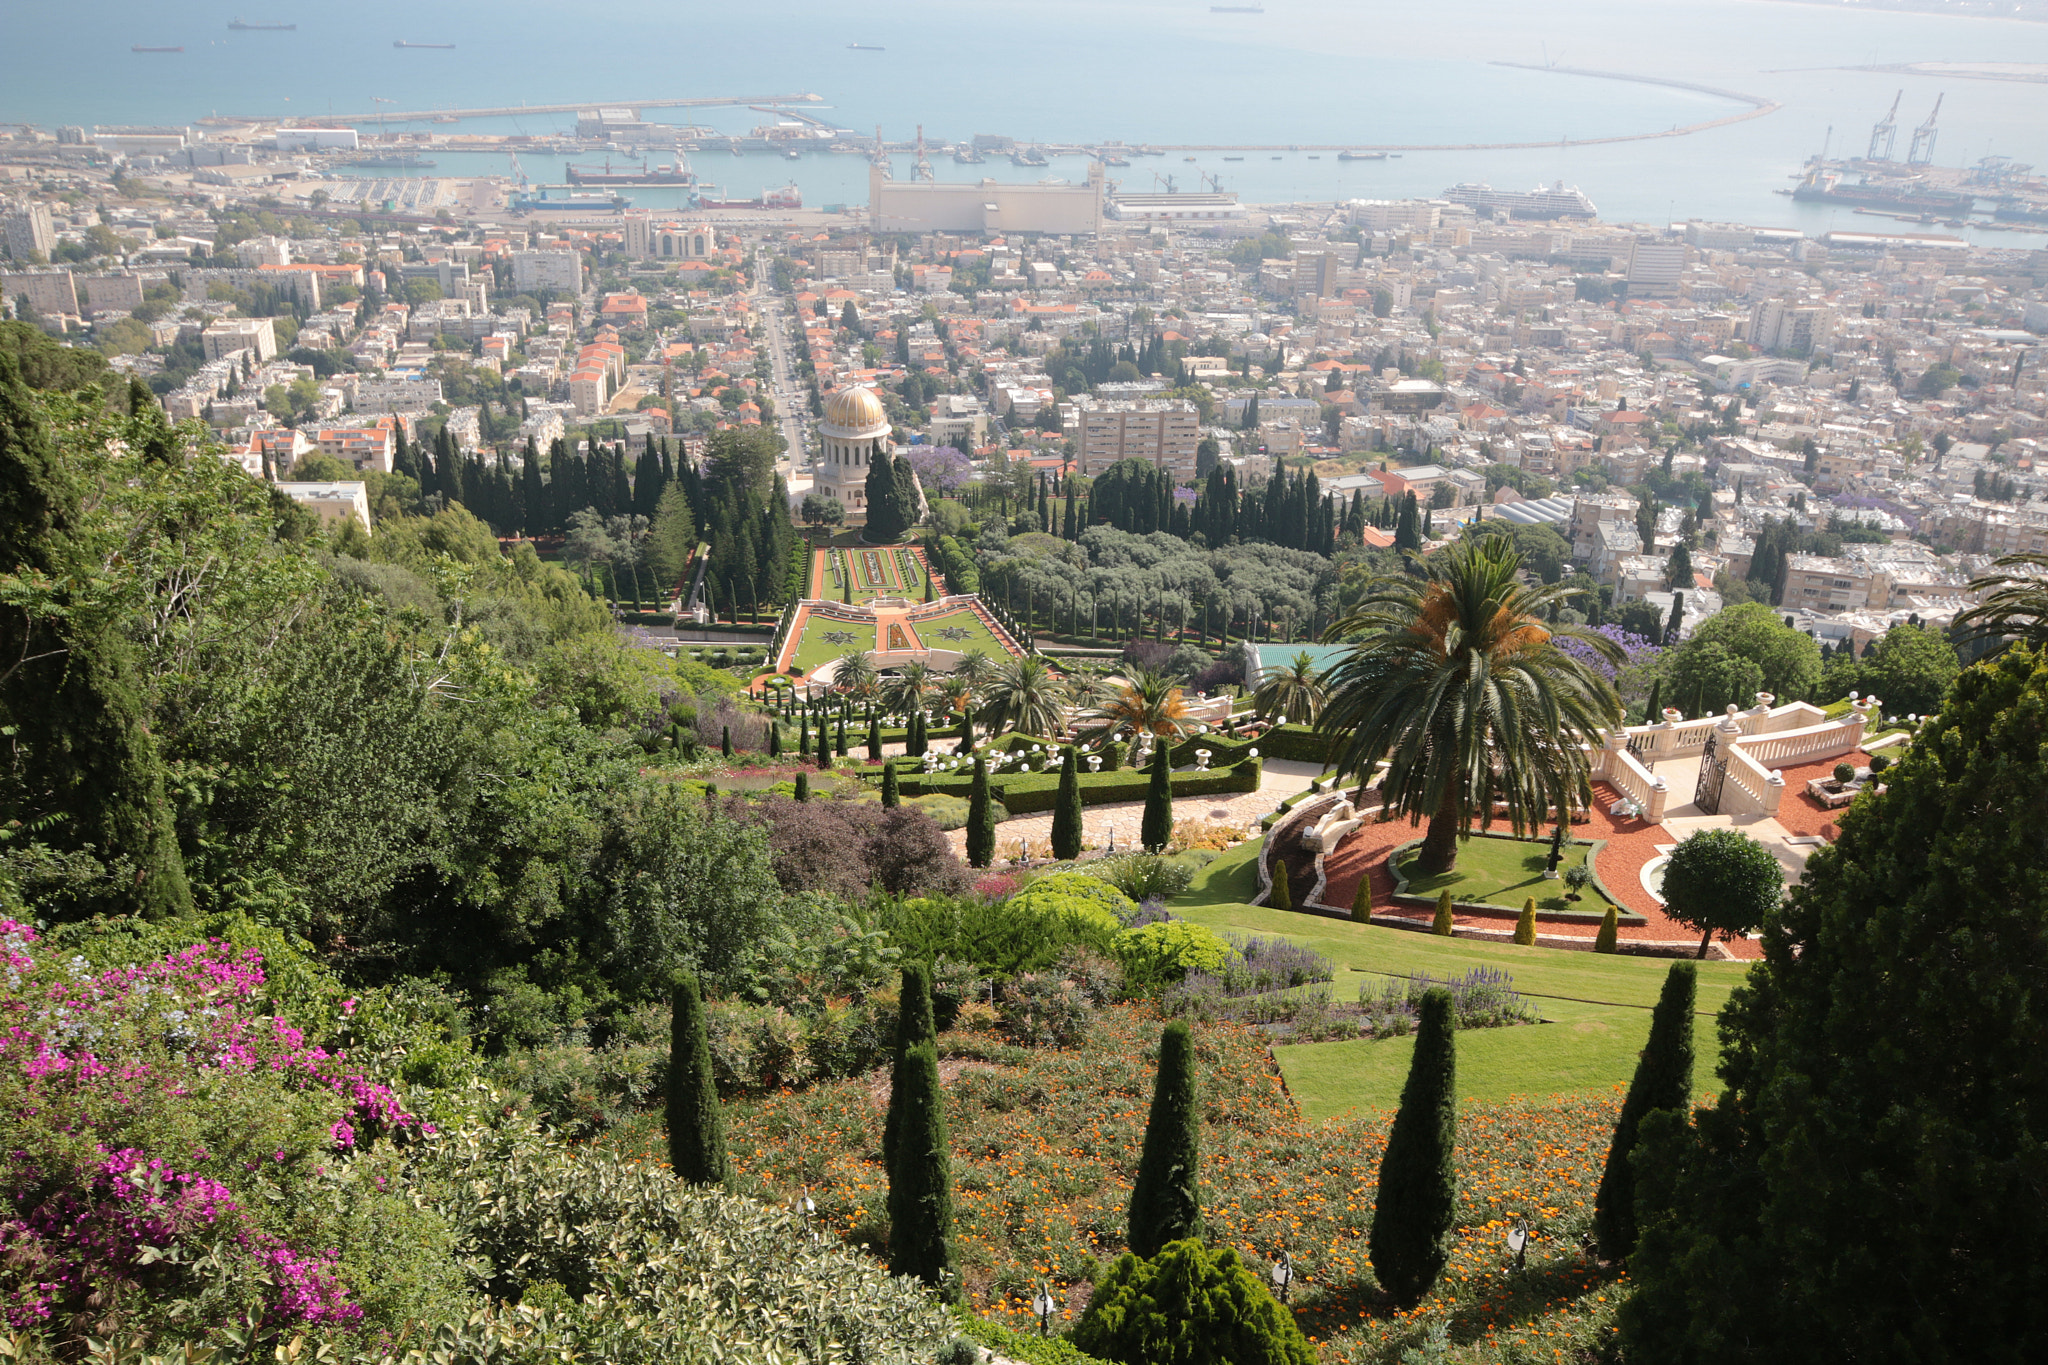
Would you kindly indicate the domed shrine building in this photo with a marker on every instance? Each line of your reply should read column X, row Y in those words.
column 853, row 435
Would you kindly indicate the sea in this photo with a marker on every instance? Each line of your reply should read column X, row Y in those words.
column 1138, row 71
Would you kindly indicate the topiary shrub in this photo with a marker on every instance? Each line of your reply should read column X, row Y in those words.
column 1164, row 953
column 1070, row 890
column 1845, row 772
column 1443, row 926
column 1282, row 897
column 1608, row 940
column 1190, row 1306
column 1361, row 901
column 1879, row 762
column 1525, row 924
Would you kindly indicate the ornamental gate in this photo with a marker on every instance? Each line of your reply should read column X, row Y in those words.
column 1713, row 772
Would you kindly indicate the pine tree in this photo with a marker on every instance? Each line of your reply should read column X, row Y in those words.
column 1066, row 809
column 1166, row 1202
column 1444, row 925
column 1156, row 831
column 696, row 1124
column 1361, row 900
column 1525, row 924
column 1282, row 897
column 914, row 1028
column 1417, row 1205
column 803, row 785
column 921, row 1184
column 874, row 738
column 891, row 797
column 981, row 818
column 1663, row 1080
column 1607, row 939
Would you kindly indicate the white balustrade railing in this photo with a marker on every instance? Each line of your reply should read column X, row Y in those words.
column 1638, row 784
column 1790, row 748
column 1747, row 787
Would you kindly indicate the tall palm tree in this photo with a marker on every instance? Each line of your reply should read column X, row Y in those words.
column 910, row 689
column 1139, row 701
column 1294, row 695
column 975, row 669
column 855, row 677
column 1458, row 685
column 2018, row 604
column 1027, row 696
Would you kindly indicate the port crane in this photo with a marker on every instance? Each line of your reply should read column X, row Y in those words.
column 1171, row 188
column 1213, row 182
column 1921, row 153
column 921, row 169
column 1885, row 132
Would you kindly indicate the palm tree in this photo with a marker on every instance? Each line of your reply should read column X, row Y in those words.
column 1456, row 683
column 1293, row 695
column 2018, row 604
column 975, row 669
column 1026, row 696
column 910, row 689
column 1139, row 701
column 856, row 675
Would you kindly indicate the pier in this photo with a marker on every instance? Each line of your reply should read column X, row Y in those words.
column 518, row 110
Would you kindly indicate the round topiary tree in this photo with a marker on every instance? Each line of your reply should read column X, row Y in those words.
column 1721, row 881
column 1845, row 773
column 1189, row 1306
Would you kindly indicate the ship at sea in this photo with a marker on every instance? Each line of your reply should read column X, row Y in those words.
column 968, row 155
column 397, row 161
column 1361, row 156
column 678, row 174
column 140, row 48
column 788, row 197
column 1237, row 9
column 437, row 47
column 1559, row 201
column 569, row 203
column 1028, row 156
column 864, row 47
column 239, row 27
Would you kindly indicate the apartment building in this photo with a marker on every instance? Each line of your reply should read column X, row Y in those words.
column 224, row 337
column 1820, row 583
column 533, row 271
column 366, row 447
column 29, row 228
column 1164, row 433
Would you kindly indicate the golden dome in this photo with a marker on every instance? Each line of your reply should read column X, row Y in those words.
column 856, row 409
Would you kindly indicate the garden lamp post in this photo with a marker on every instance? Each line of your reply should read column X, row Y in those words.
column 1043, row 1305
column 1518, row 1242
column 1283, row 1274
column 807, row 1209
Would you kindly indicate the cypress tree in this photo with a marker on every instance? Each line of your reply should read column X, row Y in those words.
column 774, row 738
column 1608, row 939
column 891, row 798
column 1443, row 925
column 824, row 749
column 1282, row 897
column 1166, row 1204
column 914, row 743
column 803, row 785
column 1413, row 1214
column 1361, row 900
column 1157, row 829
column 1525, row 924
column 841, row 744
column 725, row 740
column 81, row 741
column 921, row 1184
column 803, row 737
column 874, row 738
column 966, row 733
column 1663, row 1080
column 981, row 818
column 914, row 1028
column 696, row 1125
column 1066, row 809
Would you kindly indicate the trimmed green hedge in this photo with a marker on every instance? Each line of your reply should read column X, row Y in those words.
column 1030, row 794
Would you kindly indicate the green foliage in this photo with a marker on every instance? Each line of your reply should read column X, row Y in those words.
column 1066, row 811
column 696, row 1125
column 1525, row 924
column 1443, row 924
column 1721, row 881
column 1098, row 899
column 1156, row 828
column 1361, row 900
column 1028, row 1347
column 1787, row 661
column 1166, row 1200
column 1188, row 1305
column 1608, row 938
column 1416, row 1207
column 981, row 819
column 1282, row 895
column 921, row 1179
column 1663, row 1080
column 1143, row 876
column 1027, row 933
column 1909, row 670
column 1864, row 1185
column 891, row 795
column 914, row 1028
column 1164, row 952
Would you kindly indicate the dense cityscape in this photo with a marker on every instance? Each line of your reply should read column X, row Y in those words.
column 1046, row 768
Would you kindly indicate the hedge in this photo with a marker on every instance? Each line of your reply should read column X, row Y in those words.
column 1028, row 794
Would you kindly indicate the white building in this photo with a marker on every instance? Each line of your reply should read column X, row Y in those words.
column 1164, row 433
column 223, row 338
column 316, row 139
column 854, row 434
column 1654, row 268
column 333, row 502
column 533, row 271
column 30, row 228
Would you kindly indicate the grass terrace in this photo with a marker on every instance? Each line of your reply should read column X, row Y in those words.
column 1506, row 872
column 825, row 639
column 961, row 632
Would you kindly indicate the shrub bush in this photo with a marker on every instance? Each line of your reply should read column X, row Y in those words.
column 1072, row 891
column 1143, row 876
column 1190, row 1306
column 1163, row 954
column 842, row 848
column 1045, row 1011
column 1845, row 772
column 1879, row 762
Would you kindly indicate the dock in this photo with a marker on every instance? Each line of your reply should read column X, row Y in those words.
column 519, row 110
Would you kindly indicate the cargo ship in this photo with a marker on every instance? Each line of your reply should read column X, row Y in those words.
column 238, row 26
column 1361, row 156
column 646, row 176
column 1028, row 156
column 569, row 203
column 788, row 197
column 2015, row 210
column 140, row 48
column 1821, row 185
column 1237, row 9
column 437, row 47
column 1559, row 201
column 864, row 47
column 408, row 161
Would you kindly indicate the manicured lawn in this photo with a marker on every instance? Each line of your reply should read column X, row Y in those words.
column 814, row 649
column 1508, row 872
column 1598, row 1006
column 960, row 632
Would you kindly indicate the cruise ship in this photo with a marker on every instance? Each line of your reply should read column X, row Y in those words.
column 1559, row 201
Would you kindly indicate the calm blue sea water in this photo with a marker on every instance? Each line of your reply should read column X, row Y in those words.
column 1140, row 70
